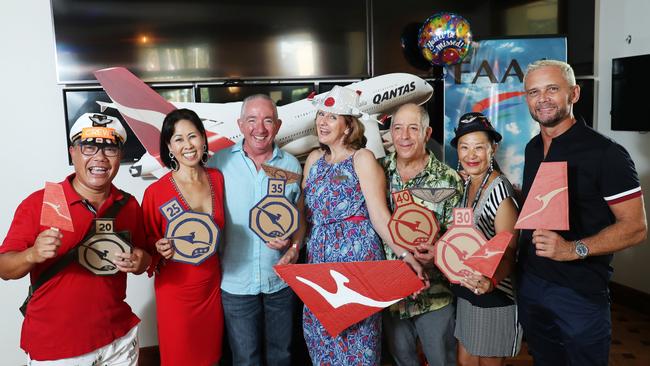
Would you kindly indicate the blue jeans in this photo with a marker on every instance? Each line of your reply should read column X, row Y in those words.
column 435, row 330
column 253, row 319
column 562, row 326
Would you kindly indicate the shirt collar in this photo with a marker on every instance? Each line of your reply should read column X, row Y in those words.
column 576, row 129
column 392, row 163
column 239, row 147
column 73, row 197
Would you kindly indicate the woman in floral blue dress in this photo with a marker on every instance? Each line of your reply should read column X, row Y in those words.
column 344, row 195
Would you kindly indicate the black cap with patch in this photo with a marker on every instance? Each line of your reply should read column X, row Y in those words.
column 473, row 122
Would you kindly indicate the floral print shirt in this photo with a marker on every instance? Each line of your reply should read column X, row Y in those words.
column 435, row 175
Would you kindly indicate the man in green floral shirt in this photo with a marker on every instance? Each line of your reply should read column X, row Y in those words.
column 430, row 316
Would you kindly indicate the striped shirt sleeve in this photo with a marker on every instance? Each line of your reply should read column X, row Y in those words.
column 619, row 179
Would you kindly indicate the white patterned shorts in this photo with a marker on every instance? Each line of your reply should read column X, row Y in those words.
column 123, row 351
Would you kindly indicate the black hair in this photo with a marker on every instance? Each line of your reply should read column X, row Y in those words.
column 168, row 126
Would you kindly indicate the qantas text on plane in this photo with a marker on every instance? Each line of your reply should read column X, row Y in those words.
column 144, row 110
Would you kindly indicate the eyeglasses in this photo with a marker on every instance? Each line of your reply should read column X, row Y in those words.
column 91, row 150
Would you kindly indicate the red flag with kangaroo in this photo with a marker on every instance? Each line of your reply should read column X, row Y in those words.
column 55, row 212
column 342, row 294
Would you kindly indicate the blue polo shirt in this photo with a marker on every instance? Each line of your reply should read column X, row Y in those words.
column 246, row 261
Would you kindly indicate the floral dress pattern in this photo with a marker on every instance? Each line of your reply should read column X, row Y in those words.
column 340, row 231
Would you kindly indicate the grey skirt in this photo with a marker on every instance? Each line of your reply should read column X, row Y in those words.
column 488, row 332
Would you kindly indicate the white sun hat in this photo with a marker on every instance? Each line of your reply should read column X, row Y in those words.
column 340, row 100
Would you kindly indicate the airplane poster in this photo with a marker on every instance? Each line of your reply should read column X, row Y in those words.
column 342, row 294
column 490, row 81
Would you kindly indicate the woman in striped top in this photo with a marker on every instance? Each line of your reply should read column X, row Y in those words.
column 486, row 317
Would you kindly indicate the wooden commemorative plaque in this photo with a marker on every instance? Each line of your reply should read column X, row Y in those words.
column 411, row 224
column 274, row 216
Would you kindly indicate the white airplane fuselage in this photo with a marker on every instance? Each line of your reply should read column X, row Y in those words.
column 380, row 95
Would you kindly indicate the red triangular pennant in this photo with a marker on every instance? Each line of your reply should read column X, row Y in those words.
column 342, row 294
column 55, row 212
column 486, row 259
column 547, row 204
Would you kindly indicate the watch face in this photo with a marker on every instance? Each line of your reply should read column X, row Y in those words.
column 581, row 249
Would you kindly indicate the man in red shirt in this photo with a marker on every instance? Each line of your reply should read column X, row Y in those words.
column 77, row 316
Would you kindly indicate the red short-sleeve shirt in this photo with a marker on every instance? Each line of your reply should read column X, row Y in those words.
column 75, row 312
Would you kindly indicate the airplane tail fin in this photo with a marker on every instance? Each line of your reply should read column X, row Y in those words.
column 486, row 259
column 142, row 108
column 547, row 204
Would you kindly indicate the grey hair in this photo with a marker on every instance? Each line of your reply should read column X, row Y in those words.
column 258, row 96
column 424, row 115
column 565, row 68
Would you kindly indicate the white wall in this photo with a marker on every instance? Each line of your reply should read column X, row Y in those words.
column 33, row 150
column 619, row 18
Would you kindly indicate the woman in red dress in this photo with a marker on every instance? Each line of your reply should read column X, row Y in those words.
column 188, row 295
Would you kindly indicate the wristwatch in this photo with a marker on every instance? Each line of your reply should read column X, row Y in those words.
column 582, row 250
column 404, row 254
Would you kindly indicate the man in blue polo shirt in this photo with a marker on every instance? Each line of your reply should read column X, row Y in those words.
column 257, row 304
column 563, row 285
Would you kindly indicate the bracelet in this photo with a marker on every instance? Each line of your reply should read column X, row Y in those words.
column 494, row 282
column 403, row 255
column 295, row 246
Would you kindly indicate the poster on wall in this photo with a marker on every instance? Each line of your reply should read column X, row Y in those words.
column 490, row 81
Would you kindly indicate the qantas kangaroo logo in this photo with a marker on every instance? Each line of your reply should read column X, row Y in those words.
column 343, row 294
column 486, row 254
column 57, row 209
column 155, row 118
column 550, row 190
column 545, row 200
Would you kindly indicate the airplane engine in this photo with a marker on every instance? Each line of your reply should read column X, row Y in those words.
column 147, row 166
